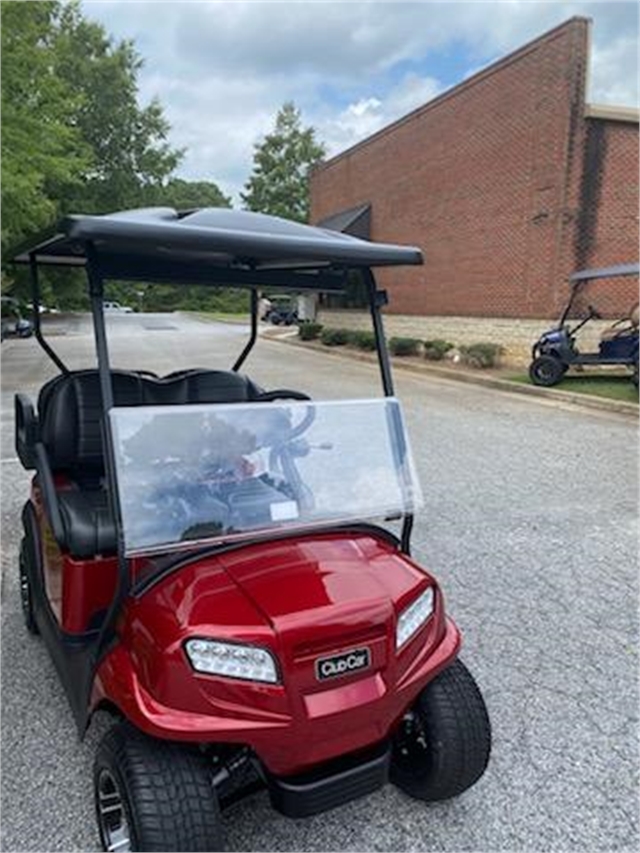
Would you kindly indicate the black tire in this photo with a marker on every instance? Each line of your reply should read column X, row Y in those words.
column 546, row 370
column 160, row 794
column 26, row 595
column 444, row 749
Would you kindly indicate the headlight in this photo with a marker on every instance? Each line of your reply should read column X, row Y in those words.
column 414, row 616
column 232, row 660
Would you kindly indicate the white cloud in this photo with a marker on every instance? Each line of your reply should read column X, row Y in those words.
column 222, row 69
column 367, row 115
column 612, row 78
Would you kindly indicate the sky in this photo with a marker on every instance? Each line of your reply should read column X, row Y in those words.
column 223, row 68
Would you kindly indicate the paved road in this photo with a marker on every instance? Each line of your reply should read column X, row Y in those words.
column 530, row 523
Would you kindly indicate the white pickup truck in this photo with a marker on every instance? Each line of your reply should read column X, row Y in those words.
column 117, row 307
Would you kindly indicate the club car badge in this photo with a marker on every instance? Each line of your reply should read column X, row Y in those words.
column 343, row 664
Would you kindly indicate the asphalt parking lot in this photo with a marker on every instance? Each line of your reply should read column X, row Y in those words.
column 530, row 524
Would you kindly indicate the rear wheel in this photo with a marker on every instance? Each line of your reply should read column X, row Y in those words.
column 546, row 370
column 442, row 747
column 153, row 795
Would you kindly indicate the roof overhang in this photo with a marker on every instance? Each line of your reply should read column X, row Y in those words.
column 605, row 112
column 355, row 221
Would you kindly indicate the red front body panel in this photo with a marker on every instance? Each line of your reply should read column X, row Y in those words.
column 302, row 598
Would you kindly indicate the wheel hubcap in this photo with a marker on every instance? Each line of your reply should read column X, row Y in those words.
column 112, row 816
column 545, row 373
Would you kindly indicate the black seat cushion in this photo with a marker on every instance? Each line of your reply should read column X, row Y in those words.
column 88, row 524
column 70, row 414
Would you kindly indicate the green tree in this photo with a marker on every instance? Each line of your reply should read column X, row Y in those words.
column 43, row 152
column 74, row 137
column 131, row 155
column 279, row 184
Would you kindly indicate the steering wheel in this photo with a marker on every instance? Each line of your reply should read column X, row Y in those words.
column 283, row 452
column 596, row 315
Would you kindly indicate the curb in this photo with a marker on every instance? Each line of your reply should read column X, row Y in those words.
column 579, row 400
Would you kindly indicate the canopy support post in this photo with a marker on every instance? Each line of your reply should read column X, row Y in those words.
column 254, row 332
column 37, row 330
column 377, row 299
column 96, row 294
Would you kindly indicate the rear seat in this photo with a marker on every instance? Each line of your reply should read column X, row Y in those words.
column 70, row 415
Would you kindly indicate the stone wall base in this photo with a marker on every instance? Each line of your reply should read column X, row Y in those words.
column 516, row 336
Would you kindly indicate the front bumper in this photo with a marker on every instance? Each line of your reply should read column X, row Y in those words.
column 356, row 716
column 332, row 784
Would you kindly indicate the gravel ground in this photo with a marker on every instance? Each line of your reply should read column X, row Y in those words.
column 530, row 524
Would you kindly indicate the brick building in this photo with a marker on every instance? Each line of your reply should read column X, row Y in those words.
column 508, row 182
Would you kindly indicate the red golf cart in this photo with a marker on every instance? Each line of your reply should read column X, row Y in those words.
column 202, row 559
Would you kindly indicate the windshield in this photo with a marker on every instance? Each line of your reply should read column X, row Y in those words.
column 218, row 472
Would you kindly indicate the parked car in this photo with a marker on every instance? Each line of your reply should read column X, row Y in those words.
column 43, row 309
column 14, row 324
column 116, row 307
column 283, row 311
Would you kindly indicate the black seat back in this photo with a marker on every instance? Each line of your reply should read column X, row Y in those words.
column 70, row 409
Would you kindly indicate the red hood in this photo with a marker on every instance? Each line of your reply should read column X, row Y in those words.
column 336, row 585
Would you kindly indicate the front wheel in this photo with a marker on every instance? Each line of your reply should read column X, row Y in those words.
column 546, row 370
column 443, row 745
column 153, row 795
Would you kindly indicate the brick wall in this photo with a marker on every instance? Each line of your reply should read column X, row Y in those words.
column 607, row 223
column 488, row 180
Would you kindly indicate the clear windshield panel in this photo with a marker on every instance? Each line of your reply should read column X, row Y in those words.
column 217, row 472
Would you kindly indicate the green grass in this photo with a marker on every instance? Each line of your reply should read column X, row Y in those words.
column 613, row 387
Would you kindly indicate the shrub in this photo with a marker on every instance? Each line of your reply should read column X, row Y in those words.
column 309, row 331
column 436, row 349
column 335, row 337
column 363, row 340
column 404, row 346
column 482, row 354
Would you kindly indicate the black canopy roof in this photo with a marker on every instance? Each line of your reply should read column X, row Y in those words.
column 149, row 239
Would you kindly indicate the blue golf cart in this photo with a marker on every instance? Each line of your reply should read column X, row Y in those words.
column 556, row 350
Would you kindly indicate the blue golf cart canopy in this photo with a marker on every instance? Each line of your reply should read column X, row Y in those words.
column 152, row 242
column 605, row 272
